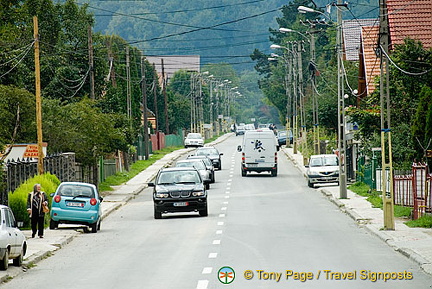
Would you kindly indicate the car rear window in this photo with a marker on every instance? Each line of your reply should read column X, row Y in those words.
column 76, row 191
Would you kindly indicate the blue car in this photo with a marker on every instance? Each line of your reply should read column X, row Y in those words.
column 76, row 203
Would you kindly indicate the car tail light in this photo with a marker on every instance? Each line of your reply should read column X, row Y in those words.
column 93, row 201
column 243, row 157
column 57, row 199
column 275, row 157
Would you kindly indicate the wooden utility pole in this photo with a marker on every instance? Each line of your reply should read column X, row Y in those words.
column 90, row 48
column 386, row 145
column 144, row 101
column 38, row 98
column 128, row 88
column 155, row 82
column 165, row 97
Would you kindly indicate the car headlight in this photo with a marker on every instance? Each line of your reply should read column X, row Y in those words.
column 198, row 193
column 161, row 195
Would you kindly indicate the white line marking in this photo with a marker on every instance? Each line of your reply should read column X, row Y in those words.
column 207, row 270
column 220, row 223
column 221, row 215
column 212, row 255
column 218, row 232
column 216, row 242
column 202, row 284
column 223, row 208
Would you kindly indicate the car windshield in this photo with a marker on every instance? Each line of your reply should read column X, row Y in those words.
column 178, row 177
column 324, row 161
column 199, row 165
column 76, row 191
column 194, row 136
column 282, row 133
column 206, row 152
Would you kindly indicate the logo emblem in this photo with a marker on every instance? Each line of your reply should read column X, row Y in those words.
column 226, row 275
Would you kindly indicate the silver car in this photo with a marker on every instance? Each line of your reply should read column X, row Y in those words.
column 13, row 243
column 200, row 166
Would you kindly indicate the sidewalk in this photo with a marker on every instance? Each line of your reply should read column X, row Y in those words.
column 414, row 243
column 38, row 249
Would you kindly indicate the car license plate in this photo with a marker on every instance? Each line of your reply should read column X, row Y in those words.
column 181, row 204
column 252, row 165
column 74, row 204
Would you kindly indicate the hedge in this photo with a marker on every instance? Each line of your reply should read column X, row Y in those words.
column 18, row 198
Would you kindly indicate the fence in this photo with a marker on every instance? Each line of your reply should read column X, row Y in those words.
column 410, row 189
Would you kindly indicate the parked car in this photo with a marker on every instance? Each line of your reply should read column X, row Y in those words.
column 76, row 203
column 322, row 169
column 208, row 163
column 200, row 166
column 212, row 153
column 193, row 139
column 282, row 137
column 179, row 189
column 13, row 244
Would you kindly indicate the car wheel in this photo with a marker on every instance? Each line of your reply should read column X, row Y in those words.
column 243, row 172
column 204, row 213
column 4, row 264
column 274, row 173
column 207, row 186
column 213, row 178
column 53, row 224
column 93, row 227
column 157, row 214
column 18, row 260
column 310, row 185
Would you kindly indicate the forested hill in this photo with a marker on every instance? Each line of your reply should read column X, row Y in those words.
column 218, row 30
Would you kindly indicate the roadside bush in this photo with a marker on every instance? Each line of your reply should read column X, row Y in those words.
column 18, row 198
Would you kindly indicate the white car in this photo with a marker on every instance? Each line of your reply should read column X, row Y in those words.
column 193, row 139
column 13, row 243
column 322, row 169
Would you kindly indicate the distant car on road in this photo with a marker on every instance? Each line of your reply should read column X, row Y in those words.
column 200, row 166
column 208, row 163
column 212, row 153
column 193, row 139
column 322, row 169
column 240, row 130
column 76, row 203
column 179, row 189
column 13, row 244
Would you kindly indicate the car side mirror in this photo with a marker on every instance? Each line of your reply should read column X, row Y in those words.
column 221, row 154
column 239, row 148
column 52, row 195
column 306, row 166
column 151, row 184
column 100, row 199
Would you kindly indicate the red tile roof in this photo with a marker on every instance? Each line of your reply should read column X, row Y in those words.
column 369, row 38
column 410, row 18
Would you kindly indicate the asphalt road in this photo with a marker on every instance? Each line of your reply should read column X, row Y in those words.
column 272, row 232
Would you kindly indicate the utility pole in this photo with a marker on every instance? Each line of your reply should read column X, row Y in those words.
column 38, row 98
column 91, row 65
column 386, row 145
column 144, row 101
column 341, row 109
column 165, row 97
column 128, row 88
column 155, row 97
column 295, row 94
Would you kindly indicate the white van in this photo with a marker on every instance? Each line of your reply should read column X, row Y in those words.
column 259, row 152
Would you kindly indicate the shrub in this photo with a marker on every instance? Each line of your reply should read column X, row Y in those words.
column 18, row 198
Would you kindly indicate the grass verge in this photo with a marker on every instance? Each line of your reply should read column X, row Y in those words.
column 137, row 167
column 375, row 199
column 423, row 222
